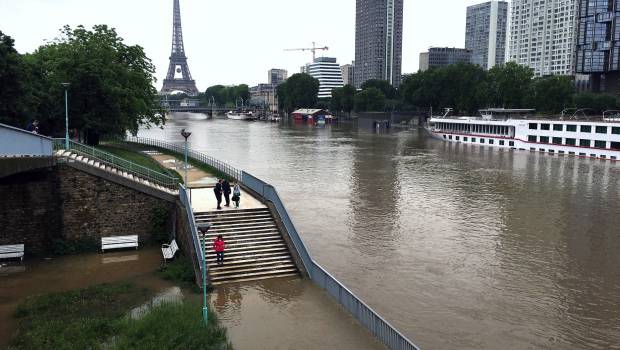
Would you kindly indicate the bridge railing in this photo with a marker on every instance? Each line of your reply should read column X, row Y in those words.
column 15, row 142
column 369, row 318
column 184, row 197
column 118, row 163
column 195, row 155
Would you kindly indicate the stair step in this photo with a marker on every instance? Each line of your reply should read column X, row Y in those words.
column 231, row 212
column 241, row 220
column 249, row 248
column 241, row 228
column 254, row 269
column 252, row 275
column 230, row 266
column 231, row 223
column 283, row 275
column 244, row 234
column 234, row 216
column 274, row 237
column 237, row 256
column 257, row 260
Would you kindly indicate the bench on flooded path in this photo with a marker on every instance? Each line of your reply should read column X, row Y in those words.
column 169, row 250
column 12, row 251
column 117, row 242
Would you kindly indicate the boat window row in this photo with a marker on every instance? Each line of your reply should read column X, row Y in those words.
column 479, row 140
column 574, row 142
column 598, row 129
column 475, row 128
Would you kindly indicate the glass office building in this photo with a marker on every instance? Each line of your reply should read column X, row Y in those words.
column 485, row 33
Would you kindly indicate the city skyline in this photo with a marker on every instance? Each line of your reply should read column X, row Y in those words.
column 231, row 64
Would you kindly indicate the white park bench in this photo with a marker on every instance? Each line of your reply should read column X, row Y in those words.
column 169, row 250
column 116, row 242
column 12, row 251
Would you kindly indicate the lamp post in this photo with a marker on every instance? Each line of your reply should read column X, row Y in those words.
column 203, row 228
column 186, row 135
column 66, row 85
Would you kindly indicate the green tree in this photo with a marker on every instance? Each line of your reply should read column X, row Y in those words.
column 596, row 102
column 111, row 84
column 12, row 85
column 336, row 100
column 551, row 94
column 370, row 100
column 509, row 85
column 348, row 98
column 383, row 85
column 219, row 94
column 300, row 90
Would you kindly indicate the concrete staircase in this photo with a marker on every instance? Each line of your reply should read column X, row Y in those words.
column 255, row 249
column 73, row 156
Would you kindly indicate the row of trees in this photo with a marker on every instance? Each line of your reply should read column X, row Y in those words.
column 111, row 85
column 467, row 88
column 226, row 95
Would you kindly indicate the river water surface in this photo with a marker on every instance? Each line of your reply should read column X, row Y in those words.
column 458, row 246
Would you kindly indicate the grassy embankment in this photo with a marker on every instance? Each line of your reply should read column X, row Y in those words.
column 97, row 317
column 135, row 156
column 135, row 147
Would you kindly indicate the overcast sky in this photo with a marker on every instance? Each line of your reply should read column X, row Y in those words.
column 235, row 41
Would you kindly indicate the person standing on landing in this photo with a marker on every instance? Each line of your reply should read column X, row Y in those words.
column 218, row 193
column 236, row 194
column 218, row 246
column 226, row 189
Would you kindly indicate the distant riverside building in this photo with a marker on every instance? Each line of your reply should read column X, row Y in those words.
column 277, row 76
column 485, row 33
column 378, row 40
column 265, row 94
column 348, row 73
column 598, row 46
column 327, row 71
column 542, row 35
column 438, row 57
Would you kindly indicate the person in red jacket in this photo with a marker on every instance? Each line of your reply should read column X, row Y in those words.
column 218, row 246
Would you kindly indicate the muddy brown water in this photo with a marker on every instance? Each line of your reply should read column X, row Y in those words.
column 460, row 247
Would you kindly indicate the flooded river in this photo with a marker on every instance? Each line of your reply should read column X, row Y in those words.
column 458, row 246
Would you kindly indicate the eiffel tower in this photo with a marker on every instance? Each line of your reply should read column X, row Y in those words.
column 178, row 61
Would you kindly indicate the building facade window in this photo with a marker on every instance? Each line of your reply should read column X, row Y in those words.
column 615, row 130
column 531, row 138
column 557, row 140
column 533, row 126
column 571, row 142
column 586, row 128
column 558, row 127
column 601, row 130
column 545, row 127
column 544, row 139
column 571, row 128
column 600, row 144
column 584, row 143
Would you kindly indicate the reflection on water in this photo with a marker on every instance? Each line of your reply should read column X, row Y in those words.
column 459, row 246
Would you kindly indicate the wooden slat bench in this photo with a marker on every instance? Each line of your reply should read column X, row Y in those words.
column 116, row 242
column 12, row 251
column 169, row 250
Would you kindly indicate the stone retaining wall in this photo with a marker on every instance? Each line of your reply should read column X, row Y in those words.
column 45, row 206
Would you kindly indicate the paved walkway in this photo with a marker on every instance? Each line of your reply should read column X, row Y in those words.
column 201, row 185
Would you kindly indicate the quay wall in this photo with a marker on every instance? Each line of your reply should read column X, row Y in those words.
column 61, row 205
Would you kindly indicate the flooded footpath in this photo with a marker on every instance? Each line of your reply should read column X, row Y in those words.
column 274, row 314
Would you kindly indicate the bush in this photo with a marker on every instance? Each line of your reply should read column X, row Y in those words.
column 178, row 270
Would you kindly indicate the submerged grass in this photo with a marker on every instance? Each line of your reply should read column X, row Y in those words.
column 97, row 318
column 135, row 156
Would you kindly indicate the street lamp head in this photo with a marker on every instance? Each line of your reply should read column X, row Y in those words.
column 65, row 84
column 185, row 134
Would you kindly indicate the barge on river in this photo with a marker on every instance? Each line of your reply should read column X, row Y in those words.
column 513, row 129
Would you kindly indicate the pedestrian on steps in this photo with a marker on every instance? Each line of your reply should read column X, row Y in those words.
column 226, row 189
column 236, row 198
column 218, row 246
column 218, row 193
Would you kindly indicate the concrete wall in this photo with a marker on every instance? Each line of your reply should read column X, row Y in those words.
column 41, row 206
column 16, row 142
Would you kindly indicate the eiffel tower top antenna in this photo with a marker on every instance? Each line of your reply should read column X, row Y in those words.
column 178, row 60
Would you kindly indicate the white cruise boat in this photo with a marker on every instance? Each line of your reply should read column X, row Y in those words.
column 582, row 137
column 240, row 115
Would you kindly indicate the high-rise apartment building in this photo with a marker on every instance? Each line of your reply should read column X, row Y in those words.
column 327, row 71
column 485, row 33
column 438, row 57
column 277, row 76
column 542, row 34
column 378, row 40
column 347, row 73
column 598, row 44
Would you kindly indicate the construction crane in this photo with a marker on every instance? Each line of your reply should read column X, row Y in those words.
column 314, row 49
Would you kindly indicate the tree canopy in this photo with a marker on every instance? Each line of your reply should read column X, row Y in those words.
column 228, row 95
column 111, row 85
column 298, row 91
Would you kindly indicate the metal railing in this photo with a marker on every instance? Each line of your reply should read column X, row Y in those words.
column 197, row 156
column 369, row 318
column 118, row 163
column 184, row 197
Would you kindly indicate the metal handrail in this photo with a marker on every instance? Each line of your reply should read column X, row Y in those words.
column 118, row 163
column 184, row 197
column 195, row 155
